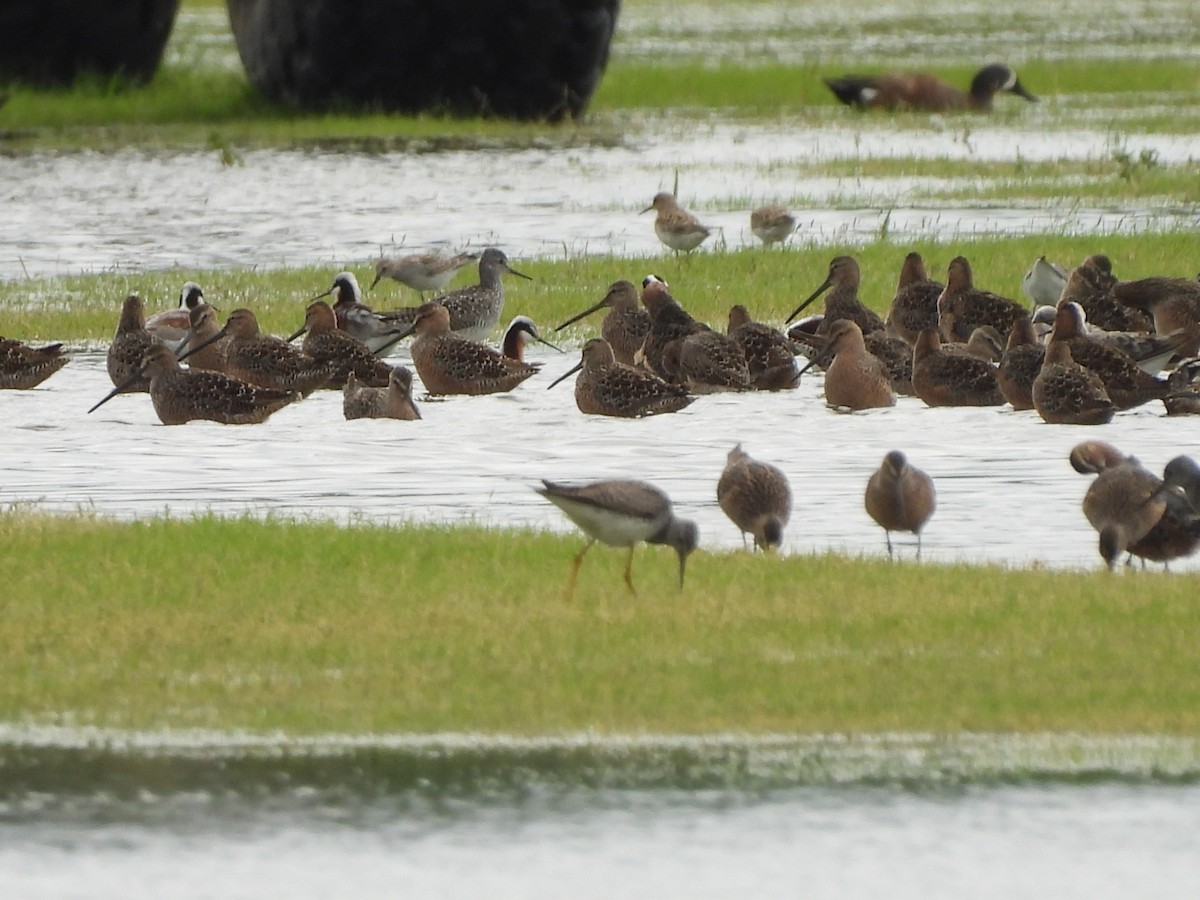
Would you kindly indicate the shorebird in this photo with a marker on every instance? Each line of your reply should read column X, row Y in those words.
column 23, row 367
column 1091, row 284
column 915, row 304
column 606, row 387
column 181, row 395
column 129, row 345
column 770, row 356
column 962, row 307
column 622, row 514
column 422, row 271
column 946, row 379
column 171, row 325
column 520, row 331
column 772, row 224
column 1020, row 365
column 1174, row 303
column 449, row 363
column 624, row 326
column 900, row 497
column 203, row 333
column 360, row 401
column 921, row 91
column 842, row 301
column 707, row 362
column 669, row 322
column 855, row 379
column 345, row 355
column 674, row 225
column 756, row 497
column 264, row 360
column 377, row 330
column 1044, row 282
column 1065, row 393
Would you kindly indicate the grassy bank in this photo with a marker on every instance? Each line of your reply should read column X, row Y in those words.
column 770, row 283
column 313, row 628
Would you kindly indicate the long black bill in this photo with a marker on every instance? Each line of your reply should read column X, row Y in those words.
column 566, row 375
column 817, row 293
column 140, row 373
column 212, row 340
column 584, row 314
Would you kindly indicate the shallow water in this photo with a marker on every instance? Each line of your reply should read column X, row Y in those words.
column 1006, row 493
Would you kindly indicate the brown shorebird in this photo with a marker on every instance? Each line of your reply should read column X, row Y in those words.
column 675, row 226
column 1174, row 303
column 263, row 359
column 520, row 331
column 962, row 307
column 772, row 224
column 707, row 362
column 23, row 367
column 1020, row 365
column 622, row 514
column 606, row 387
column 422, row 271
column 171, row 325
column 1090, row 284
column 449, row 363
column 181, row 395
column 900, row 497
column 1065, row 393
column 945, row 379
column 203, row 333
column 344, row 354
column 360, row 401
column 921, row 91
column 756, row 497
column 668, row 323
column 624, row 326
column 915, row 304
column 770, row 356
column 129, row 345
column 842, row 301
column 377, row 330
column 855, row 379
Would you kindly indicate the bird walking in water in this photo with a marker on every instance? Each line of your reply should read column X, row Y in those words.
column 757, row 498
column 361, row 401
column 624, row 326
column 900, row 497
column 606, row 387
column 622, row 514
column 23, row 367
column 772, row 224
column 921, row 91
column 674, row 225
column 422, row 271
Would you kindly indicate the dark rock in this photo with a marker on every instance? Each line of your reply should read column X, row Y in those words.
column 50, row 42
column 526, row 59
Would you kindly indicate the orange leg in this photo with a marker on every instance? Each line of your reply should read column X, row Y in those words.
column 575, row 567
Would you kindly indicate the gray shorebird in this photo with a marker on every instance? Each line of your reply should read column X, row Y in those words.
column 1065, row 393
column 171, row 325
column 1020, row 365
column 264, row 360
column 841, row 301
column 946, row 379
column 449, row 363
column 1044, row 282
column 520, row 331
column 606, row 387
column 327, row 344
column 129, row 346
column 624, row 326
column 674, row 225
column 422, row 271
column 772, row 224
column 182, row 395
column 756, row 497
column 925, row 92
column 770, row 356
column 900, row 497
column 914, row 305
column 855, row 379
column 622, row 514
column 377, row 330
column 359, row 401
column 23, row 367
column 962, row 307
column 1124, row 503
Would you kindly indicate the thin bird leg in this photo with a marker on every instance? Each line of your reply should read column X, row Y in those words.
column 918, row 546
column 575, row 567
column 887, row 535
column 629, row 572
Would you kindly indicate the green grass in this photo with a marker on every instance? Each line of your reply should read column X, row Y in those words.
column 311, row 628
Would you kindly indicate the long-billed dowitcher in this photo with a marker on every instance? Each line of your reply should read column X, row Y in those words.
column 707, row 362
column 622, row 514
column 1174, row 303
column 181, row 395
column 922, row 91
column 23, row 367
column 1125, row 501
column 1044, row 282
column 962, row 307
column 202, row 333
column 263, row 359
column 946, row 379
column 772, row 224
column 669, row 322
column 360, row 401
column 606, row 387
column 449, row 363
column 1126, row 383
column 1065, row 393
column 770, row 356
column 344, row 354
column 1091, row 284
column 624, row 326
column 171, row 325
column 756, row 497
column 914, row 305
column 900, row 497
column 674, row 225
column 1020, row 364
column 377, row 330
column 855, row 379
column 842, row 301
column 520, row 331
column 422, row 271
column 1152, row 352
column 129, row 345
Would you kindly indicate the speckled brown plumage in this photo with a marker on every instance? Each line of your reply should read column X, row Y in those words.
column 264, row 360
column 962, row 307
column 668, row 323
column 1174, row 303
column 343, row 353
column 360, row 401
column 606, row 387
column 203, row 328
column 707, row 362
column 914, row 306
column 944, row 379
column 129, row 345
column 841, row 301
column 1124, row 503
column 451, row 364
column 1020, row 365
column 1065, row 393
column 1127, row 385
column 756, row 497
column 770, row 356
column 23, row 367
column 624, row 326
column 1090, row 284
column 900, row 497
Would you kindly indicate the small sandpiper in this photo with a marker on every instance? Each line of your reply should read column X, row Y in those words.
column 359, row 401
column 900, row 497
column 756, row 497
column 422, row 271
column 23, row 367
column 675, row 226
column 772, row 224
column 377, row 330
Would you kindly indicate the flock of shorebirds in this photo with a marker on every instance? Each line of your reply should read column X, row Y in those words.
column 1090, row 346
